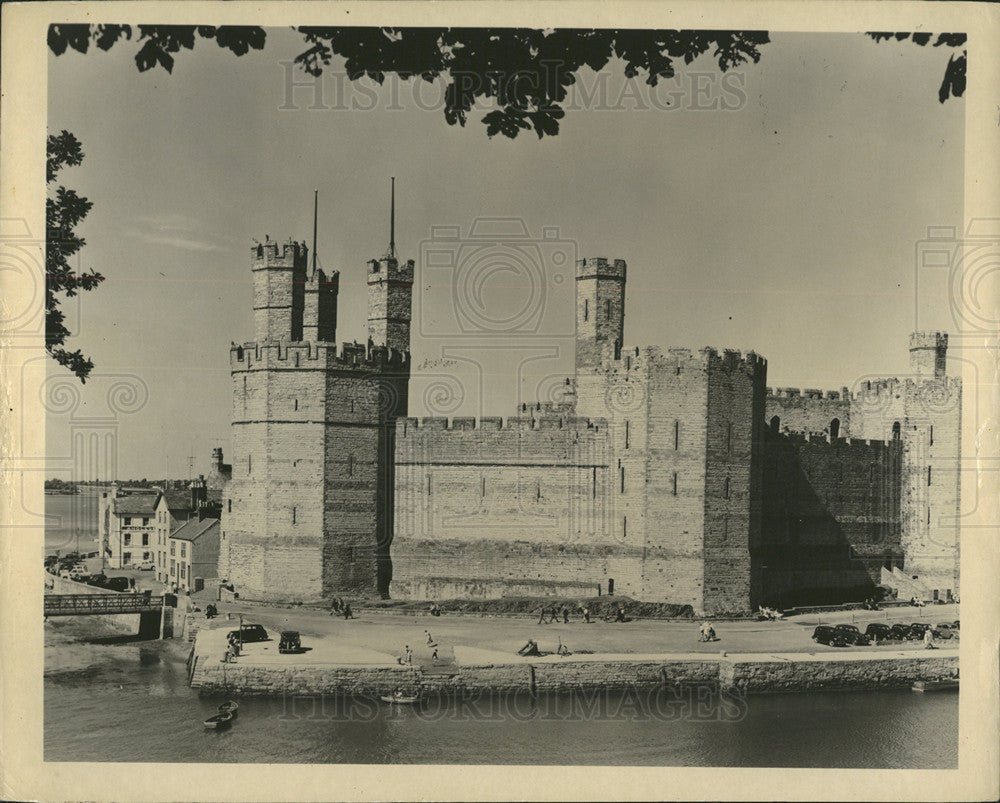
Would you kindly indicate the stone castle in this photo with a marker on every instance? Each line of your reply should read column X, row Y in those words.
column 667, row 475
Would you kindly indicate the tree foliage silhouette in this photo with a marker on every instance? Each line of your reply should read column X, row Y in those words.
column 953, row 84
column 64, row 210
column 527, row 74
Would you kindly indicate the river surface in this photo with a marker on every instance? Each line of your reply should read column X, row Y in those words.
column 111, row 698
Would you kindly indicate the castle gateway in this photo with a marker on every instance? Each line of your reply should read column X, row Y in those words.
column 667, row 475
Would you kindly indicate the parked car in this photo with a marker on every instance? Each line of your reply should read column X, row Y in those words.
column 824, row 634
column 944, row 630
column 147, row 566
column 64, row 573
column 853, row 635
column 917, row 630
column 250, row 633
column 879, row 631
column 290, row 641
column 97, row 580
column 900, row 632
column 116, row 584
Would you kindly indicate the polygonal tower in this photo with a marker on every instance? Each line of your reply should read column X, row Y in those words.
column 600, row 309
column 307, row 514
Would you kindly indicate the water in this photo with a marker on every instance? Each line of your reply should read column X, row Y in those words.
column 69, row 515
column 116, row 699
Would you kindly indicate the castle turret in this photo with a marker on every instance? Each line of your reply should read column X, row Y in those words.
column 320, row 315
column 600, row 309
column 928, row 354
column 279, row 278
column 390, row 289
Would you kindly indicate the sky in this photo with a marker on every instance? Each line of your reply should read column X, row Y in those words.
column 787, row 225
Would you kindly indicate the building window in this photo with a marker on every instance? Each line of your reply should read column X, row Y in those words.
column 173, row 547
column 126, row 557
column 586, row 310
column 128, row 521
column 775, row 425
column 128, row 539
column 428, row 484
column 895, row 431
column 249, row 463
column 350, row 465
column 626, row 434
column 675, row 483
column 835, row 428
column 173, row 568
column 928, row 515
column 621, row 471
column 293, row 514
column 677, row 434
column 593, row 484
column 229, row 506
column 932, row 435
column 183, row 571
column 296, row 401
column 607, row 309
column 183, row 550
column 928, row 475
column 145, row 520
column 482, row 487
column 624, row 535
column 145, row 536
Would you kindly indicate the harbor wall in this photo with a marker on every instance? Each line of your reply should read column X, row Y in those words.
column 747, row 673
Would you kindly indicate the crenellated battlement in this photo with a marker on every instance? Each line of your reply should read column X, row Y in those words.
column 390, row 268
column 600, row 267
column 408, row 426
column 809, row 393
column 840, row 443
column 271, row 254
column 317, row 356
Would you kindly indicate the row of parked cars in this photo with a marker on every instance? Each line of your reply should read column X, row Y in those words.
column 849, row 635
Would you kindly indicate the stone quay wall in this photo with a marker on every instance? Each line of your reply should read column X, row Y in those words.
column 750, row 673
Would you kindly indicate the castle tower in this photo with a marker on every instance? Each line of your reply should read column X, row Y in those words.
column 307, row 513
column 320, row 312
column 600, row 309
column 390, row 290
column 279, row 279
column 928, row 354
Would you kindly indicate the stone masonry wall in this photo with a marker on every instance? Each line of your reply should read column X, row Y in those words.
column 733, row 482
column 831, row 517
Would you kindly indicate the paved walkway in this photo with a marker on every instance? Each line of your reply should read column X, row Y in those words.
column 379, row 639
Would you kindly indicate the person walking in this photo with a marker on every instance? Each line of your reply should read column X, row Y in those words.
column 348, row 613
column 541, row 615
column 586, row 615
column 565, row 615
column 409, row 655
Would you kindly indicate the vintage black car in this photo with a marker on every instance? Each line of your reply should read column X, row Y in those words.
column 944, row 630
column 877, row 630
column 853, row 635
column 825, row 634
column 900, row 631
column 290, row 642
column 917, row 630
column 249, row 633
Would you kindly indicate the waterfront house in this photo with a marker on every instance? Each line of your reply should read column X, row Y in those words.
column 194, row 552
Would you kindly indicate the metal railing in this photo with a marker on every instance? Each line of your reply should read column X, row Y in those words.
column 90, row 604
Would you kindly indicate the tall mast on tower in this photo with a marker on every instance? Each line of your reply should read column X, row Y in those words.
column 315, row 214
column 392, row 221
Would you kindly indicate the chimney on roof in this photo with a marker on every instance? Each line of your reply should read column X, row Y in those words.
column 199, row 492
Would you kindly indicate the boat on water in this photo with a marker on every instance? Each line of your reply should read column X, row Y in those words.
column 944, row 684
column 230, row 707
column 400, row 698
column 219, row 721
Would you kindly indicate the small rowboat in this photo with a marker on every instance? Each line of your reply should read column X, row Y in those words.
column 219, row 721
column 402, row 699
column 946, row 684
column 230, row 707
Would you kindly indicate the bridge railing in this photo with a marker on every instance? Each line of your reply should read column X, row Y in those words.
column 89, row 604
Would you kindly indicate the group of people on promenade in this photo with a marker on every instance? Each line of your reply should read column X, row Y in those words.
column 340, row 608
column 555, row 613
column 707, row 632
column 232, row 649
